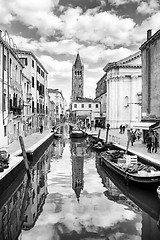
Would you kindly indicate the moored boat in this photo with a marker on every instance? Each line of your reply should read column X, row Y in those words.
column 77, row 133
column 129, row 168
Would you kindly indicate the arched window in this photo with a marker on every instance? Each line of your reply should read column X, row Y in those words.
column 126, row 101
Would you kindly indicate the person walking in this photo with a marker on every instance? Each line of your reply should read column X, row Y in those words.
column 41, row 128
column 120, row 129
column 133, row 137
column 155, row 142
column 149, row 142
column 123, row 128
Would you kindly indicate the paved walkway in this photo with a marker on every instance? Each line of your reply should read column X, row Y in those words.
column 14, row 149
column 138, row 147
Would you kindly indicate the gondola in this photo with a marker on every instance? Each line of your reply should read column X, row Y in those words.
column 77, row 133
column 130, row 169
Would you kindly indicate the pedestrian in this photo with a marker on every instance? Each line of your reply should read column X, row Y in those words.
column 138, row 134
column 41, row 128
column 155, row 142
column 120, row 129
column 149, row 143
column 123, row 128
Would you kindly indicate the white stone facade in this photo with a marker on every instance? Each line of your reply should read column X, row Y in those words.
column 124, row 89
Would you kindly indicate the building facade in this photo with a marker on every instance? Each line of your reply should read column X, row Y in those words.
column 86, row 111
column 101, row 96
column 77, row 79
column 37, row 74
column 150, row 51
column 59, row 102
column 124, row 90
column 11, row 93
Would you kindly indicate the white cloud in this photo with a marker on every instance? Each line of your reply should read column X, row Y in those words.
column 149, row 7
column 122, row 2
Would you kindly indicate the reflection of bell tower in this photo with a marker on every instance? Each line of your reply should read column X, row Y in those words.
column 77, row 175
column 77, row 79
column 77, row 155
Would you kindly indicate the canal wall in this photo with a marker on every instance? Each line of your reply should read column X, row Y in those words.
column 17, row 165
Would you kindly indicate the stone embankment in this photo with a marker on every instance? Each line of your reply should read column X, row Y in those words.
column 120, row 140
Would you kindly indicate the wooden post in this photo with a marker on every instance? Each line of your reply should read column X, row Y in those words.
column 24, row 156
column 99, row 134
column 107, row 131
column 128, row 141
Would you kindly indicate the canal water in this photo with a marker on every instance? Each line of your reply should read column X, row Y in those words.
column 71, row 196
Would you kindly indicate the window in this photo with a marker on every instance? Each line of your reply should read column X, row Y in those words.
column 32, row 63
column 5, row 131
column 75, row 105
column 82, row 105
column 37, row 85
column 38, row 69
column 33, row 82
column 4, row 99
column 32, row 106
column 4, row 56
column 96, row 105
column 24, row 61
column 89, row 105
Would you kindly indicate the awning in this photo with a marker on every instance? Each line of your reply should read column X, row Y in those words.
column 143, row 125
column 155, row 126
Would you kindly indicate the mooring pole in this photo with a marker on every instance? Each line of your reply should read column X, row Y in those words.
column 99, row 134
column 25, row 159
column 107, row 131
column 128, row 141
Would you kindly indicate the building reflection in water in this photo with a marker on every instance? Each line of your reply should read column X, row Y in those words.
column 78, row 151
column 22, row 202
column 142, row 201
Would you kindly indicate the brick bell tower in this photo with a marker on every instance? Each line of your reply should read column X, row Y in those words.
column 77, row 79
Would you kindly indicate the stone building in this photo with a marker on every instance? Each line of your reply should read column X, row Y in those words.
column 37, row 74
column 120, row 88
column 59, row 102
column 11, row 102
column 86, row 111
column 77, row 79
column 101, row 96
column 150, row 51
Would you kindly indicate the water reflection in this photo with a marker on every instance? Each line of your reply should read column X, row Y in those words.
column 22, row 202
column 142, row 201
column 67, row 199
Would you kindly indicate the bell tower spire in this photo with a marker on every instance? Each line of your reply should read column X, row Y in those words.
column 77, row 78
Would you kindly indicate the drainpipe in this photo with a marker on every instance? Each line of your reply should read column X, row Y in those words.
column 8, row 109
column 3, row 83
column 148, row 64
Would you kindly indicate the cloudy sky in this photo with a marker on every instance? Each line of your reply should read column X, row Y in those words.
column 101, row 30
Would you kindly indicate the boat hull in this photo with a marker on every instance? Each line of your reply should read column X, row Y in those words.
column 131, row 177
column 77, row 134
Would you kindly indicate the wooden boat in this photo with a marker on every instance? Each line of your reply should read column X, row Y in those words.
column 128, row 167
column 77, row 133
column 100, row 147
column 144, row 198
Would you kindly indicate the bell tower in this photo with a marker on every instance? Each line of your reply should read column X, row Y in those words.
column 77, row 79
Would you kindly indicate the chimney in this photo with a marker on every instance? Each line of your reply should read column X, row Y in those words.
column 149, row 34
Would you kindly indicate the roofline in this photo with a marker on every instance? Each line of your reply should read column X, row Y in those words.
column 32, row 54
column 121, row 63
column 150, row 40
column 12, row 50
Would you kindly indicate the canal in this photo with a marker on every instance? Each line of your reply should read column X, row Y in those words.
column 71, row 196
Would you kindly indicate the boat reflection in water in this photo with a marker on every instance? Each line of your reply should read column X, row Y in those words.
column 142, row 201
column 22, row 202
